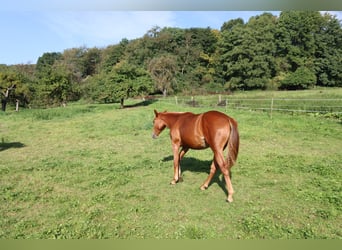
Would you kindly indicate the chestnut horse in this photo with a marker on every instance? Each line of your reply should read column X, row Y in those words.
column 199, row 131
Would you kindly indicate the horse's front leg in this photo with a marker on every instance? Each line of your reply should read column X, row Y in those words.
column 176, row 168
column 181, row 155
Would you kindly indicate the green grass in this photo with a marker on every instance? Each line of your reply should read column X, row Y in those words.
column 321, row 101
column 93, row 171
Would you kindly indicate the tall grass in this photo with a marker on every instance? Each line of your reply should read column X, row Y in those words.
column 93, row 171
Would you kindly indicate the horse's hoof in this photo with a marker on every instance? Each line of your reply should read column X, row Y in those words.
column 229, row 200
column 173, row 182
column 203, row 187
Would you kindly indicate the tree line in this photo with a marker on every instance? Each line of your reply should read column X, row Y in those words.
column 297, row 50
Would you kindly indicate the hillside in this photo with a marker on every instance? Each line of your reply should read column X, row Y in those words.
column 297, row 50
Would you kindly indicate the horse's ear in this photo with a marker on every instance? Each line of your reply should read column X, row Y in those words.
column 156, row 113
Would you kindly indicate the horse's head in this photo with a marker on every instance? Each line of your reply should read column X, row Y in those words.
column 158, row 125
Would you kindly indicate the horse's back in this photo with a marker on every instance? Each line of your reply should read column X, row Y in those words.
column 217, row 118
column 211, row 119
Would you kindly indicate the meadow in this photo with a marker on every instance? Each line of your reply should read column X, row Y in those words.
column 92, row 171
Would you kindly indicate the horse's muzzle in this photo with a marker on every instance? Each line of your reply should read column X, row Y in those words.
column 154, row 136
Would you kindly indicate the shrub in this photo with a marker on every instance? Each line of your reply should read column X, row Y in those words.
column 302, row 78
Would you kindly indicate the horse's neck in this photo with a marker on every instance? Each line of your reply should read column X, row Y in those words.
column 171, row 118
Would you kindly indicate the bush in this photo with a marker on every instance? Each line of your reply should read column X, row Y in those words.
column 302, row 78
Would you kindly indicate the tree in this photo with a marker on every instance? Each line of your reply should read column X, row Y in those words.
column 163, row 70
column 231, row 24
column 6, row 95
column 58, row 76
column 139, row 51
column 94, row 88
column 247, row 52
column 295, row 35
column 302, row 78
column 16, row 84
column 91, row 61
column 60, row 87
column 73, row 60
column 126, row 81
column 45, row 62
column 112, row 55
column 328, row 55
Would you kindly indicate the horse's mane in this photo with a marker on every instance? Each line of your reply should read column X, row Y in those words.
column 175, row 113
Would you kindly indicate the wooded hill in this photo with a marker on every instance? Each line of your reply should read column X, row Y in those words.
column 297, row 50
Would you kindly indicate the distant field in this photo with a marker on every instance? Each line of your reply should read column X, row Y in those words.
column 323, row 101
column 93, row 171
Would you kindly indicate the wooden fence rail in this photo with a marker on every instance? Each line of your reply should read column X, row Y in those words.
column 264, row 104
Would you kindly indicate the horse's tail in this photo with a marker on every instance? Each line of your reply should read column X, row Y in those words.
column 233, row 143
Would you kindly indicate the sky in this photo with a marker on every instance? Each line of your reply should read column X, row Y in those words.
column 26, row 34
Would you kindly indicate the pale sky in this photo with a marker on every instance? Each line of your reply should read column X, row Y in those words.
column 32, row 27
column 26, row 35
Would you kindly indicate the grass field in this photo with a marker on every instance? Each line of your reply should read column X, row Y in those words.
column 93, row 171
column 321, row 101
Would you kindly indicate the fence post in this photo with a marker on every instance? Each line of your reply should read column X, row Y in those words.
column 226, row 104
column 272, row 108
column 17, row 105
column 176, row 99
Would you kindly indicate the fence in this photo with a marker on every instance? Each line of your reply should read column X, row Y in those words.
column 322, row 106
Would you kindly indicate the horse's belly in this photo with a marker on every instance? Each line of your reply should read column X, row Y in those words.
column 199, row 143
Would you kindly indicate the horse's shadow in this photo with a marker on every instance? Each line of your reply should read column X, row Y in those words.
column 141, row 104
column 195, row 165
column 8, row 145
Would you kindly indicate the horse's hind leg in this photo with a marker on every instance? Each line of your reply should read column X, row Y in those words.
column 229, row 186
column 205, row 185
column 222, row 164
